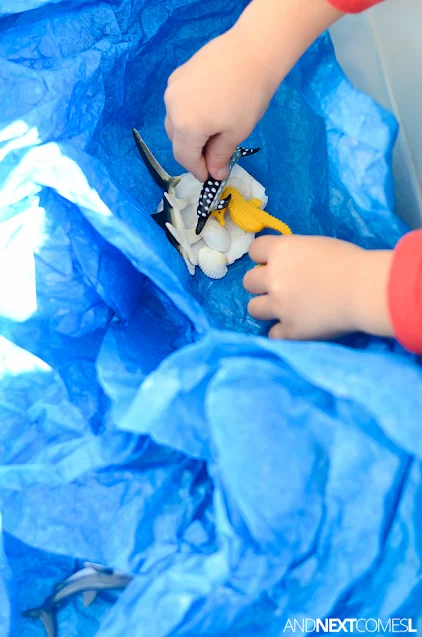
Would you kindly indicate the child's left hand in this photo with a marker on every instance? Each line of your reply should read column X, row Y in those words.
column 318, row 287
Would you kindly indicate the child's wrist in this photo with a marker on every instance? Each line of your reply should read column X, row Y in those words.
column 261, row 73
column 369, row 298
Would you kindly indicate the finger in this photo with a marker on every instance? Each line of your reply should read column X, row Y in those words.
column 174, row 75
column 290, row 333
column 188, row 152
column 279, row 331
column 218, row 152
column 260, row 307
column 261, row 247
column 169, row 128
column 254, row 281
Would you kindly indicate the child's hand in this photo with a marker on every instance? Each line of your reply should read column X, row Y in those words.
column 318, row 287
column 213, row 102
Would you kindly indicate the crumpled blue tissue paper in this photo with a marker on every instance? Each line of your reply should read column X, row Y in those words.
column 147, row 422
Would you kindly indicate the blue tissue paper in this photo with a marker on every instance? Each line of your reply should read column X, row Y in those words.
column 147, row 423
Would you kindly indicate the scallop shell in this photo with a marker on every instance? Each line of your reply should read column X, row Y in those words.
column 212, row 263
column 215, row 236
column 240, row 241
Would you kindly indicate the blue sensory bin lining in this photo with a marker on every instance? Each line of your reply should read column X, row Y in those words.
column 146, row 421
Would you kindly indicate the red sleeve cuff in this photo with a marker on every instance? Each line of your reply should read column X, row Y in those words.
column 405, row 291
column 353, row 6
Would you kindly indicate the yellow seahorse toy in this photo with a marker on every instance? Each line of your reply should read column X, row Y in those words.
column 248, row 214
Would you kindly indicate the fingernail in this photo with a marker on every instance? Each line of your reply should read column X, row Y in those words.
column 221, row 174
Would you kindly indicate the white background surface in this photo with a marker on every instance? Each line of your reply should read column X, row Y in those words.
column 381, row 53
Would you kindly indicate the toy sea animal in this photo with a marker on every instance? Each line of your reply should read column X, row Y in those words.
column 169, row 218
column 220, row 215
column 209, row 199
column 89, row 581
column 249, row 216
column 177, row 214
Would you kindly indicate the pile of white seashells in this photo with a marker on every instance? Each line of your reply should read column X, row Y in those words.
column 216, row 247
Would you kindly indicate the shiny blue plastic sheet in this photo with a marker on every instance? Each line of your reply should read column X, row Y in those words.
column 146, row 422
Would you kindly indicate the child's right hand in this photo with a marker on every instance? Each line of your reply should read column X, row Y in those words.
column 214, row 100
column 213, row 103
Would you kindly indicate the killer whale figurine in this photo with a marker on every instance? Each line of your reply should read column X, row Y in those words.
column 212, row 189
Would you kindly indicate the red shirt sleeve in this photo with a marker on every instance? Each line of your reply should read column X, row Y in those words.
column 353, row 6
column 405, row 291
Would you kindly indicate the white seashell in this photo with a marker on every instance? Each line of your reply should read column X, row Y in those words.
column 196, row 247
column 187, row 194
column 248, row 187
column 215, row 236
column 212, row 263
column 188, row 187
column 240, row 241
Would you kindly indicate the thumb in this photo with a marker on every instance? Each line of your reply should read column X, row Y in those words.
column 217, row 155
